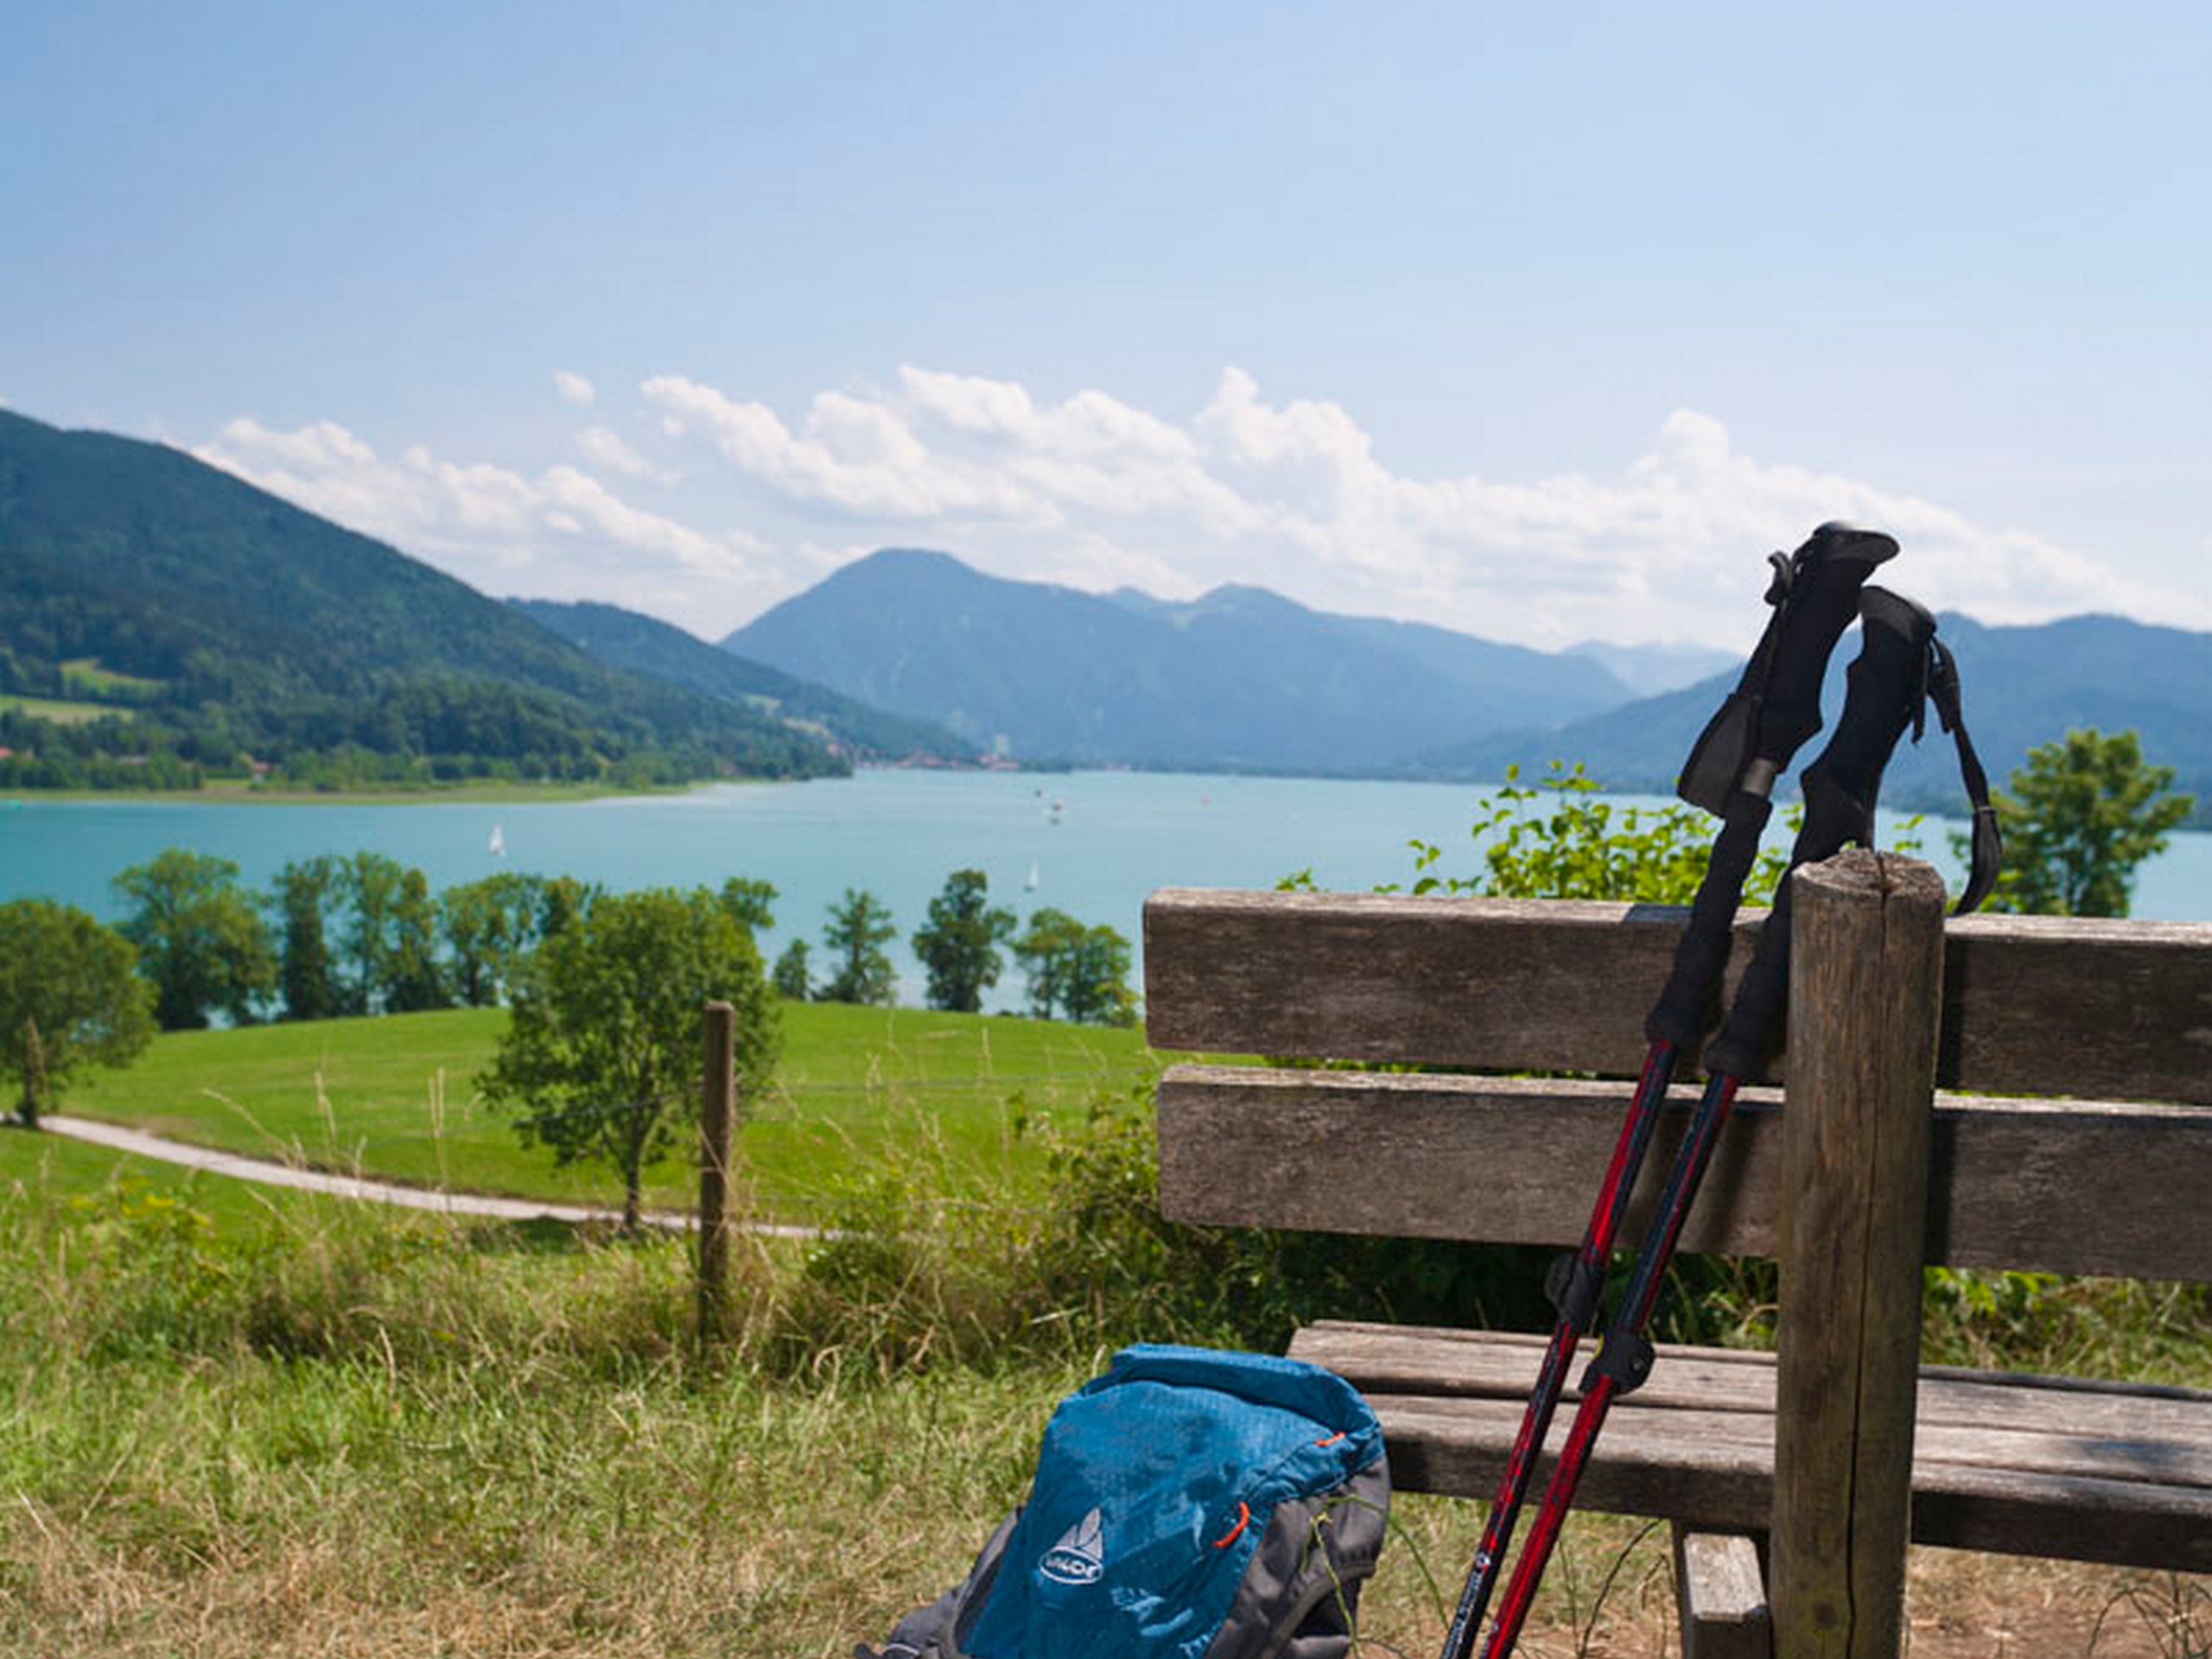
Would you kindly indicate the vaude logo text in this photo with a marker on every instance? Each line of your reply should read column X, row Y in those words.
column 1080, row 1557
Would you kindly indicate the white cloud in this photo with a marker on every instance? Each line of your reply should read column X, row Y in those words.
column 1094, row 491
column 575, row 388
column 605, row 446
column 562, row 533
column 851, row 457
column 1293, row 495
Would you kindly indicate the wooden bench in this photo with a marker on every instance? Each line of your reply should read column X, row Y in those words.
column 2078, row 1058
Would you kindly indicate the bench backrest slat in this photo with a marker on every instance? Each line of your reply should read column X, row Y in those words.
column 2119, row 1010
column 2116, row 1011
column 2061, row 1186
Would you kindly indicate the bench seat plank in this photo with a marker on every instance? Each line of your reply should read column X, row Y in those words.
column 1502, row 1365
column 2019, row 1464
column 2061, row 1186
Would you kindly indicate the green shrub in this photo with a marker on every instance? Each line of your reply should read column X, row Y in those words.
column 1106, row 1259
column 1560, row 838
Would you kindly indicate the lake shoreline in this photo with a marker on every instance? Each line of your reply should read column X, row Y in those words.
column 1090, row 844
column 459, row 795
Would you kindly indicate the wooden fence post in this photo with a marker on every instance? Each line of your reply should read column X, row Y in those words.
column 1864, row 987
column 717, row 1110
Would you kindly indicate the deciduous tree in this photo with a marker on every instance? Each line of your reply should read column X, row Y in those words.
column 490, row 926
column 793, row 979
column 752, row 902
column 959, row 945
column 371, row 882
column 859, row 929
column 69, row 998
column 1560, row 838
column 602, row 1058
column 2080, row 816
column 201, row 942
column 1080, row 973
column 416, row 979
column 304, row 887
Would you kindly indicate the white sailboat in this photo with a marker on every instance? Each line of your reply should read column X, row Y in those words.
column 499, row 847
column 1035, row 875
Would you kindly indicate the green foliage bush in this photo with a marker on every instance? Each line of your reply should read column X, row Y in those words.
column 1105, row 1257
column 1560, row 838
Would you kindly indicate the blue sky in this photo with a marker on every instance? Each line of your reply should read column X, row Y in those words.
column 1544, row 322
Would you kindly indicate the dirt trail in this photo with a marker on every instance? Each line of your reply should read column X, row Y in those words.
column 270, row 1173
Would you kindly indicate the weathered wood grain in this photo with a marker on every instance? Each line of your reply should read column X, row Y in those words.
column 2105, row 1472
column 1694, row 1438
column 2133, row 1488
column 2059, row 1187
column 1722, row 1595
column 2035, row 1005
column 1864, row 977
column 1500, row 1364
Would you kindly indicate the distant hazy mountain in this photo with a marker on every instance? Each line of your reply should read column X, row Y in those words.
column 1650, row 670
column 2022, row 686
column 246, row 626
column 644, row 645
column 1240, row 678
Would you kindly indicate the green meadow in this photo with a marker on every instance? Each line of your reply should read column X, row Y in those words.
column 859, row 1087
column 94, row 678
column 59, row 711
column 248, row 1421
column 70, row 1174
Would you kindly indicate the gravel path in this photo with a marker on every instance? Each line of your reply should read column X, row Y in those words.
column 273, row 1173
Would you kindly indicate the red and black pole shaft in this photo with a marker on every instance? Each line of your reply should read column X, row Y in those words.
column 1886, row 683
column 1575, row 1283
column 1731, row 772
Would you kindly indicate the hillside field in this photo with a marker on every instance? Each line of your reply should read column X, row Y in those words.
column 859, row 1087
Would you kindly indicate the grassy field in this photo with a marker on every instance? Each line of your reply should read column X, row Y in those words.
column 90, row 675
column 858, row 1088
column 60, row 712
column 239, row 1426
column 67, row 1172
column 243, row 1421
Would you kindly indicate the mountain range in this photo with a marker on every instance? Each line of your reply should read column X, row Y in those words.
column 221, row 628
column 217, row 625
column 1240, row 679
column 2023, row 685
column 642, row 645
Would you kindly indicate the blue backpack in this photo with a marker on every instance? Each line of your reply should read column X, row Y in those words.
column 1188, row 1504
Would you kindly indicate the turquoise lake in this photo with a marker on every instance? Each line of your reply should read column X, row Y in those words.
column 1093, row 843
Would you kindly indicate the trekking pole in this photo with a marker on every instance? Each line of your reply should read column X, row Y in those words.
column 1730, row 772
column 1899, row 668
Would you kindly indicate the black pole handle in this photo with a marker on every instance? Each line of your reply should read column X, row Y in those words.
column 1821, row 603
column 1776, row 705
column 1749, row 742
column 1884, row 690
